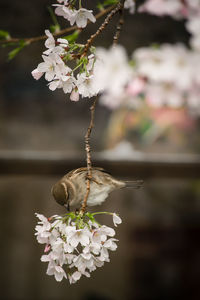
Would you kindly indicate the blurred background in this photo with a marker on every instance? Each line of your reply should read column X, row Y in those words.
column 42, row 138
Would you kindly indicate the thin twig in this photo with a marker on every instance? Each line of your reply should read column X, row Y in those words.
column 119, row 25
column 60, row 32
column 88, row 155
column 117, row 8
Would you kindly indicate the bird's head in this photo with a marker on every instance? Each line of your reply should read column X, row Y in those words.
column 63, row 192
column 60, row 192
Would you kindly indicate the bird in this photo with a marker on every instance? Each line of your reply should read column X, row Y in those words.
column 70, row 190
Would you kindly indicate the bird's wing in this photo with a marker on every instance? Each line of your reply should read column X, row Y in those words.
column 82, row 169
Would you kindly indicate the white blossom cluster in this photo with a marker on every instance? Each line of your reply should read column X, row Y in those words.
column 112, row 74
column 167, row 75
column 75, row 245
column 164, row 76
column 74, row 16
column 105, row 71
column 58, row 73
column 170, row 75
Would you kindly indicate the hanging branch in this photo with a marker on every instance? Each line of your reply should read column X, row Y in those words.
column 119, row 8
column 31, row 40
column 88, row 155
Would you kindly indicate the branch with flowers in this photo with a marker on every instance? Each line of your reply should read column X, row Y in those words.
column 166, row 75
column 78, row 244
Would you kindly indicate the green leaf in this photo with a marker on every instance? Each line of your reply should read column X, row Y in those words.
column 100, row 6
column 109, row 2
column 72, row 215
column 53, row 16
column 4, row 35
column 155, row 46
column 54, row 28
column 9, row 44
column 15, row 51
column 72, row 37
column 90, row 216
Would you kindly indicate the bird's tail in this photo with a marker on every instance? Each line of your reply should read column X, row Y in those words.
column 136, row 184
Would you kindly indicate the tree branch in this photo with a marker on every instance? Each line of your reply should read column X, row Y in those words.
column 119, row 25
column 61, row 32
column 117, row 8
column 88, row 155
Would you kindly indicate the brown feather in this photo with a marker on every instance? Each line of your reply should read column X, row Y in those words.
column 82, row 169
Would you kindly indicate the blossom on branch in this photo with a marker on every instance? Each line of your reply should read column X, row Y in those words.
column 86, row 85
column 75, row 245
column 50, row 44
column 80, row 16
column 165, row 75
column 116, row 220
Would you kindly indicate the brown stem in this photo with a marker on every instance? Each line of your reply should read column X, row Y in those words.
column 119, row 25
column 88, row 155
column 118, row 7
column 61, row 32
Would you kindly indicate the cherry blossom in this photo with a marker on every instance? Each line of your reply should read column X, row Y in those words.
column 81, row 16
column 59, row 75
column 116, row 220
column 158, row 95
column 64, row 82
column 86, row 85
column 57, row 271
column 162, row 75
column 130, row 4
column 75, row 241
column 64, row 11
column 50, row 44
column 193, row 26
column 135, row 86
column 162, row 7
column 36, row 74
column 74, row 95
column 112, row 71
column 166, row 64
column 74, row 277
column 52, row 66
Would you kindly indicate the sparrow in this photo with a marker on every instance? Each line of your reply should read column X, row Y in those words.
column 71, row 188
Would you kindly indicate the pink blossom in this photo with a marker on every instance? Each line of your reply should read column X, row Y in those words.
column 74, row 96
column 136, row 86
column 162, row 7
column 37, row 74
